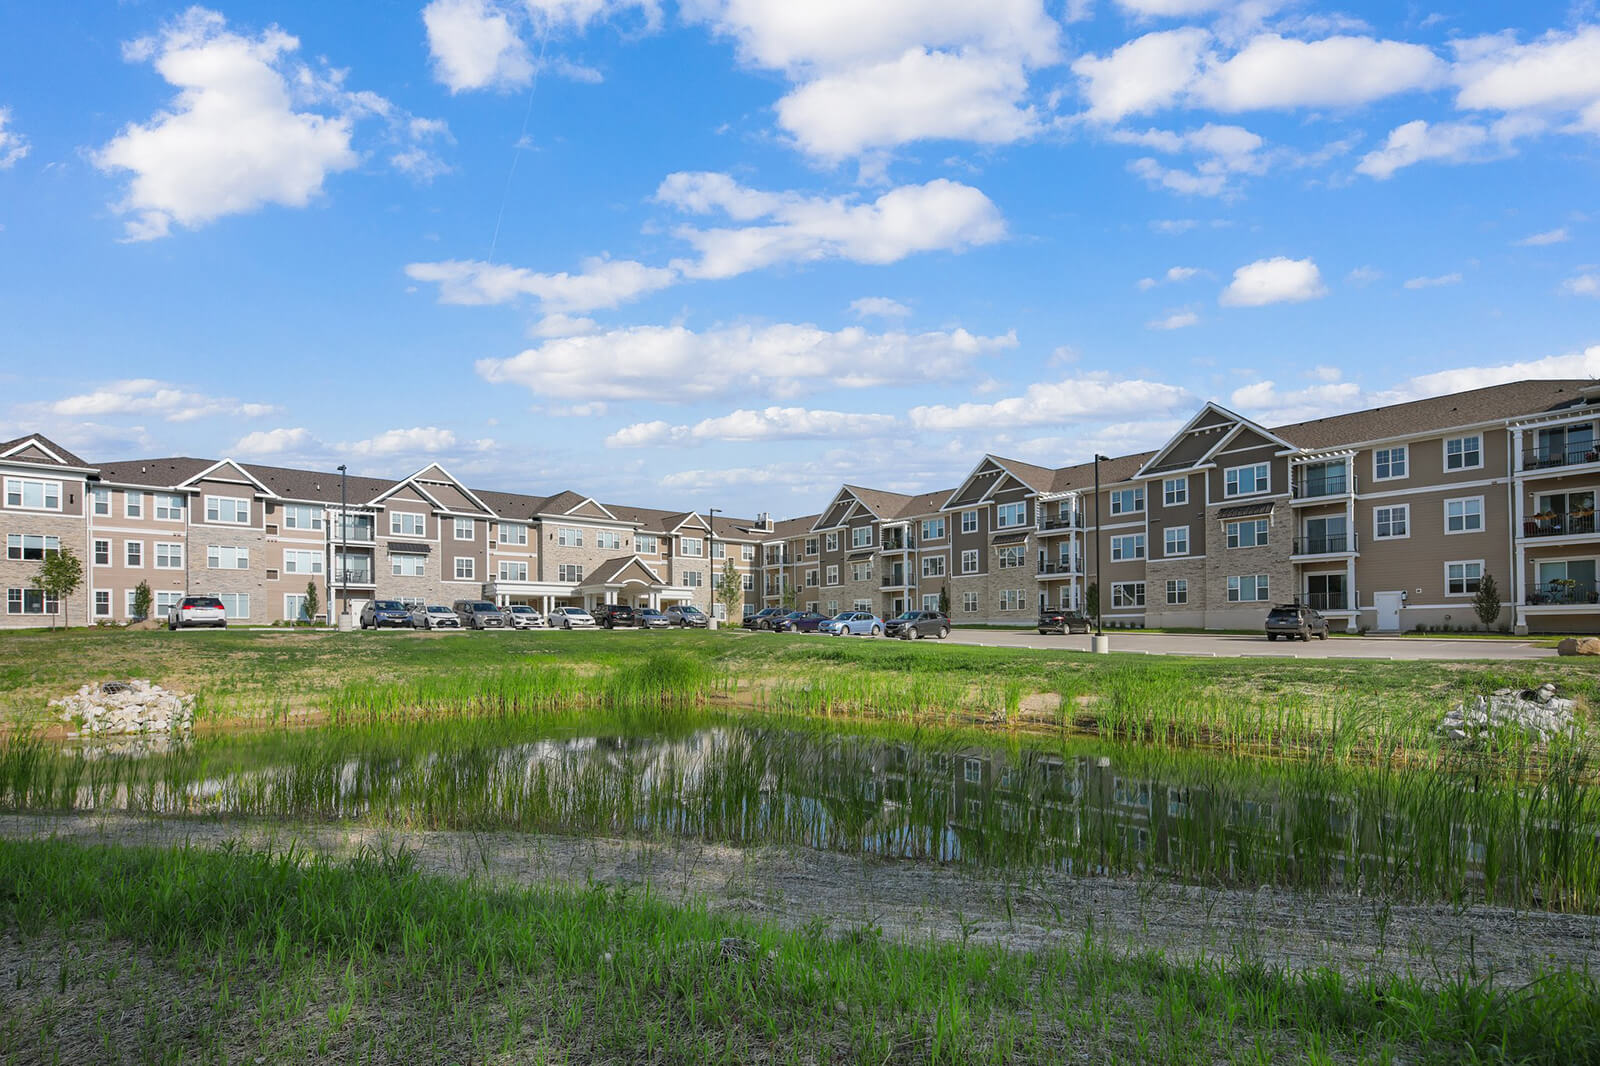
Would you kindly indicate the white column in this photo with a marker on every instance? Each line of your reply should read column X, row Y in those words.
column 1519, row 580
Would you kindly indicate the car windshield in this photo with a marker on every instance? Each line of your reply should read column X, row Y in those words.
column 521, row 609
column 909, row 616
column 439, row 610
column 846, row 616
column 389, row 605
column 1283, row 613
column 483, row 607
column 691, row 610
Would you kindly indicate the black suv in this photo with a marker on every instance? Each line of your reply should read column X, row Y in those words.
column 616, row 615
column 1052, row 620
column 914, row 624
column 1295, row 620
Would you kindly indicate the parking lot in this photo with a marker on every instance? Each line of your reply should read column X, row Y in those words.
column 1239, row 644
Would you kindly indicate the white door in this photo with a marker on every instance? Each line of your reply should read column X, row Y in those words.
column 1388, row 605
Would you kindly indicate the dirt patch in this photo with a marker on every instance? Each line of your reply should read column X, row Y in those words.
column 1355, row 935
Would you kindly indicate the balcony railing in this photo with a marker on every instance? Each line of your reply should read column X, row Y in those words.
column 1563, row 591
column 1327, row 601
column 779, row 560
column 897, row 544
column 1058, row 567
column 1341, row 484
column 1568, row 455
column 354, row 532
column 895, row 581
column 1568, row 524
column 1071, row 521
column 352, row 577
column 1327, row 544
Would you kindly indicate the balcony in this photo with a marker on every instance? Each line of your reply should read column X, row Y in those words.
column 1052, row 568
column 1560, row 524
column 895, row 579
column 1327, row 544
column 1060, row 525
column 1563, row 592
column 1557, row 455
column 896, row 543
column 780, row 560
column 1323, row 488
column 1327, row 601
column 356, row 531
column 358, row 576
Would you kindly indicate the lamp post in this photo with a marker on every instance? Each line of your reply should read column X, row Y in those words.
column 344, row 550
column 711, row 554
column 1101, row 644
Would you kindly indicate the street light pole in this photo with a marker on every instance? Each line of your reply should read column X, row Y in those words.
column 1100, row 642
column 711, row 553
column 344, row 547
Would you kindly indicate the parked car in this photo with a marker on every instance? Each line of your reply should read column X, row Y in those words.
column 480, row 614
column 762, row 619
column 571, row 618
column 1295, row 620
column 688, row 616
column 798, row 622
column 524, row 617
column 616, row 616
column 378, row 614
column 650, row 618
column 853, row 623
column 197, row 611
column 434, row 616
column 1063, row 621
column 916, row 624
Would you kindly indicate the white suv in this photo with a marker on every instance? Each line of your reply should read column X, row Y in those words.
column 197, row 611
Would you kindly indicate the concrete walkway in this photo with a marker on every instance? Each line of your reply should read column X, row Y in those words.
column 1234, row 644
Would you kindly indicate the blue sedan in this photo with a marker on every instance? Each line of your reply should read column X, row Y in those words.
column 853, row 623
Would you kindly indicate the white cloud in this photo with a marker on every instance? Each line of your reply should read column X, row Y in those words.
column 1146, row 74
column 1324, row 373
column 1096, row 396
column 1268, row 404
column 1174, row 275
column 1433, row 282
column 1272, row 281
column 602, row 283
column 562, row 325
column 879, row 306
column 1584, row 364
column 474, row 46
column 1175, row 320
column 675, row 364
column 940, row 215
column 1549, row 236
column 1418, row 141
column 1364, row 275
column 147, row 396
column 1224, row 150
column 772, row 423
column 266, row 442
column 1582, row 285
column 1560, row 72
column 1171, row 8
column 427, row 440
column 1274, row 72
column 13, row 145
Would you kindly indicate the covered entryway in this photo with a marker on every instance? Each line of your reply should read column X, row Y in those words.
column 628, row 579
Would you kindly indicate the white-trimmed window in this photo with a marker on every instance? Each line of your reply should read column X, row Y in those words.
column 1010, row 515
column 1127, row 501
column 567, row 537
column 811, row 578
column 969, row 602
column 169, row 507
column 1126, row 594
column 969, row 524
column 1392, row 522
column 861, row 605
column 33, row 494
column 831, row 575
column 1464, row 515
column 235, row 605
column 719, row 549
column 748, row 582
column 930, row 601
column 1128, row 546
column 811, row 546
column 465, row 529
column 133, row 504
column 933, row 529
column 35, row 546
column 168, row 555
column 1463, row 453
column 1251, row 533
column 830, row 541
column 646, row 544
column 1391, row 464
column 1177, row 591
column 298, row 561
column 1462, row 578
column 466, row 568
column 969, row 561
column 408, row 524
column 102, row 552
column 693, row 579
column 861, row 571
column 102, row 603
column 933, row 566
column 512, row 571
column 747, row 552
column 302, row 516
column 1250, row 588
column 101, row 500
column 408, row 564
column 1010, row 557
column 861, row 537
column 1247, row 480
column 294, row 607
column 227, row 557
column 165, row 600
column 228, row 510
column 29, row 601
column 1175, row 491
column 608, row 539
column 514, row 534
column 133, row 553
column 1011, row 599
column 691, row 547
column 570, row 572
column 1176, row 540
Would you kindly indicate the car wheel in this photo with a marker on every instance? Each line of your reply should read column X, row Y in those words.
column 172, row 627
column 1272, row 637
column 222, row 625
column 944, row 631
column 877, row 631
column 1323, row 635
column 1305, row 636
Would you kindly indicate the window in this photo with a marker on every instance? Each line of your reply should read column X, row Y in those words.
column 301, row 516
column 466, row 568
column 512, row 533
column 408, row 564
column 1176, row 540
column 1011, row 557
column 608, row 539
column 231, row 510
column 690, row 546
column 646, row 544
column 747, row 552
column 168, row 556
column 1177, row 591
column 1175, row 491
column 718, row 550
column 568, row 537
column 1011, row 599
column 222, row 557
column 102, row 551
column 407, row 524
column 31, row 546
column 294, row 607
column 302, row 562
column 1010, row 515
column 830, row 541
column 861, row 571
column 1461, row 579
column 102, row 603
column 1464, row 515
column 165, row 601
column 133, row 504
column 693, row 579
column 1127, row 501
column 571, row 572
column 748, row 582
column 811, row 545
column 133, row 552
column 1127, row 594
column 969, row 524
column 969, row 562
column 930, row 601
column 1252, row 588
column 33, row 494
column 1248, row 534
column 832, row 575
column 933, row 566
column 236, row 604
column 29, row 601
column 1390, row 463
column 169, row 507
column 811, row 578
column 1246, row 480
column 511, row 571
column 1130, row 546
column 861, row 537
column 969, row 602
column 102, row 501
column 933, row 529
column 1463, row 453
column 1391, row 523
column 464, row 529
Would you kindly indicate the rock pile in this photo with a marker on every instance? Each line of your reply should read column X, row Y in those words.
column 123, row 708
column 1579, row 646
column 1538, row 713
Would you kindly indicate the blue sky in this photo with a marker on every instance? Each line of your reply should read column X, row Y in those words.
column 732, row 253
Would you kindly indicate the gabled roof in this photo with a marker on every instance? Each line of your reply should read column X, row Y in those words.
column 928, row 503
column 512, row 506
column 880, row 502
column 1080, row 478
column 39, row 449
column 569, row 504
column 435, row 474
column 1214, row 420
column 218, row 466
column 1489, row 404
column 621, row 569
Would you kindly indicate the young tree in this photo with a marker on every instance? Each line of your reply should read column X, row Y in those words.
column 790, row 598
column 313, row 601
column 1487, row 601
column 142, row 601
column 944, row 600
column 59, row 576
column 1091, row 601
column 730, row 592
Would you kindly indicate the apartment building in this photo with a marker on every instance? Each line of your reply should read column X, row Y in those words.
column 257, row 536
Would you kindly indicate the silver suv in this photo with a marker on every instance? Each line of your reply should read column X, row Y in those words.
column 480, row 614
column 1293, row 620
column 197, row 611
